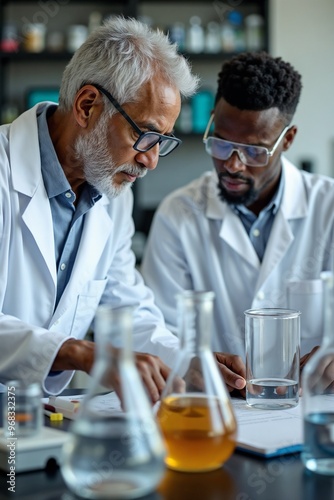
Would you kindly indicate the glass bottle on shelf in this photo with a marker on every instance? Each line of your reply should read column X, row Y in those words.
column 318, row 393
column 212, row 38
column 202, row 104
column 196, row 415
column 254, row 32
column 114, row 454
column 236, row 19
column 228, row 41
column 195, row 39
column 177, row 34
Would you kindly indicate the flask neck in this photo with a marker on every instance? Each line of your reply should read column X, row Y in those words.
column 113, row 332
column 328, row 309
column 195, row 317
column 113, row 339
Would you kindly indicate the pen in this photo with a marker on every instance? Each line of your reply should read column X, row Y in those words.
column 69, row 408
column 64, row 404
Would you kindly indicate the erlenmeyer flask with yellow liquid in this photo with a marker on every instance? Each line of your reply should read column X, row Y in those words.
column 196, row 415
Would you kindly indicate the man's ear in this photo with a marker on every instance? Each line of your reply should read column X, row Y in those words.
column 289, row 137
column 87, row 102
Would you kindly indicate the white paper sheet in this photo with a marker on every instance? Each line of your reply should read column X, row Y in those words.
column 264, row 432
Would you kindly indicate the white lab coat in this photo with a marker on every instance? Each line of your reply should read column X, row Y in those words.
column 31, row 331
column 197, row 242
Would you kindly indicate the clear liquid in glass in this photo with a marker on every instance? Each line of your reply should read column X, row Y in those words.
column 114, row 455
column 116, row 462
column 318, row 452
column 318, row 392
column 272, row 393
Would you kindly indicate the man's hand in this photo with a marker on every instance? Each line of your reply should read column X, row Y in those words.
column 75, row 354
column 233, row 370
column 322, row 379
column 153, row 373
column 303, row 360
column 306, row 357
column 79, row 355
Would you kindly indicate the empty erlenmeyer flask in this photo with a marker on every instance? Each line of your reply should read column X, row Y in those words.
column 196, row 414
column 114, row 455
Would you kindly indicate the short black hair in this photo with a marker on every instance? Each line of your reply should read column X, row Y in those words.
column 257, row 81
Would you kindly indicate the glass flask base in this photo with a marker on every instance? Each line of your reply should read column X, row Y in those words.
column 118, row 486
column 114, row 464
column 318, row 453
column 196, row 436
column 323, row 466
column 204, row 469
column 272, row 393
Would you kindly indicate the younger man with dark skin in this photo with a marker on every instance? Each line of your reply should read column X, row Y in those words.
column 254, row 223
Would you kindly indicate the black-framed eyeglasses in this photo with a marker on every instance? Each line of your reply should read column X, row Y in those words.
column 252, row 156
column 146, row 140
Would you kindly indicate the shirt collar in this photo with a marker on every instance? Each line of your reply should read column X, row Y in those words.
column 54, row 178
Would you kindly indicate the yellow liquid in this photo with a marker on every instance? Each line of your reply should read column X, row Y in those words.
column 198, row 436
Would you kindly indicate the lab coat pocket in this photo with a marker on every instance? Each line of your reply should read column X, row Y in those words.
column 306, row 296
column 87, row 303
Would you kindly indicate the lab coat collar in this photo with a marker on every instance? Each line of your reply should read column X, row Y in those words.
column 27, row 179
column 232, row 230
column 215, row 207
column 294, row 201
column 24, row 152
column 294, row 205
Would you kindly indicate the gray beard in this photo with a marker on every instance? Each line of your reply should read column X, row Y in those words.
column 92, row 151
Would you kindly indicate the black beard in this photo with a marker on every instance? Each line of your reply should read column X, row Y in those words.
column 234, row 199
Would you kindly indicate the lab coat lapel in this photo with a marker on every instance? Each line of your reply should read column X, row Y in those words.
column 38, row 219
column 28, row 181
column 96, row 232
column 279, row 241
column 294, row 206
column 232, row 230
column 235, row 235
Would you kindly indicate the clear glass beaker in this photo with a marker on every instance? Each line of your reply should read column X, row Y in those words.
column 272, row 358
column 114, row 455
column 318, row 393
column 196, row 414
column 22, row 409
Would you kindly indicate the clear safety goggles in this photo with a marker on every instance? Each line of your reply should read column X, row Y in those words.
column 252, row 156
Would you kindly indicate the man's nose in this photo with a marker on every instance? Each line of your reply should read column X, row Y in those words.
column 234, row 163
column 149, row 159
